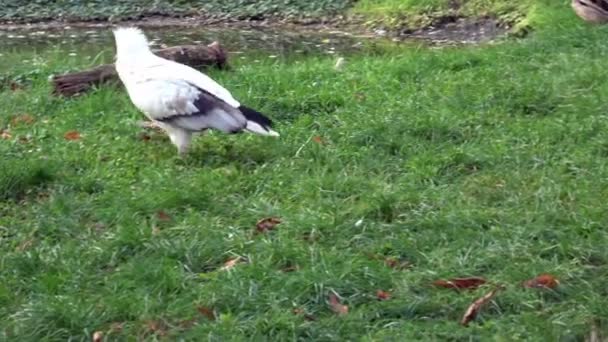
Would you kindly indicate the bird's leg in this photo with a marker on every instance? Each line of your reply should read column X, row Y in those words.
column 181, row 139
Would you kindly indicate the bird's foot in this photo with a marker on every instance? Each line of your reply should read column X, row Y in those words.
column 149, row 125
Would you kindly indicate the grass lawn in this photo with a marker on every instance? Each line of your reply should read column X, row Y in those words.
column 486, row 161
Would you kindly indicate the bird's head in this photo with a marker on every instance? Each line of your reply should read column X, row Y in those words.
column 130, row 41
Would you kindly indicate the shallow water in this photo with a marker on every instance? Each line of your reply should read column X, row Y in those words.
column 238, row 42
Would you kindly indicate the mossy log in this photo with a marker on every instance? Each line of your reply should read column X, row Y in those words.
column 196, row 56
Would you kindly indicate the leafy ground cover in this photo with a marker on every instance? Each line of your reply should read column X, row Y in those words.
column 117, row 9
column 391, row 13
column 407, row 168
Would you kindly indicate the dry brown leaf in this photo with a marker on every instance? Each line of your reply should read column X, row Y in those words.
column 317, row 139
column 5, row 134
column 383, row 295
column 23, row 118
column 163, row 216
column 396, row 263
column 97, row 336
column 157, row 327
column 206, row 312
column 15, row 86
column 336, row 306
column 267, row 224
column 460, row 283
column 228, row 265
column 144, row 136
column 72, row 135
column 476, row 306
column 545, row 281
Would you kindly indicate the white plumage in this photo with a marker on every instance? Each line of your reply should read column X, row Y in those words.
column 179, row 99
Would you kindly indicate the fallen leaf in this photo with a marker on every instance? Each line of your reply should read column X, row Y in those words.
column 230, row 264
column 206, row 312
column 5, row 134
column 336, row 306
column 267, row 224
column 157, row 327
column 317, row 139
column 545, row 281
column 163, row 216
column 72, row 135
column 24, row 118
column 15, row 86
column 97, row 336
column 383, row 295
column 144, row 136
column 396, row 263
column 476, row 306
column 460, row 283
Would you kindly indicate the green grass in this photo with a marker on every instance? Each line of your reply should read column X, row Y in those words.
column 419, row 13
column 483, row 161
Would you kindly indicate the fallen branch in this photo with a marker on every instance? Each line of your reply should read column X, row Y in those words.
column 196, row 56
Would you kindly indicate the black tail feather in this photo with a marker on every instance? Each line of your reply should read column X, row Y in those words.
column 255, row 116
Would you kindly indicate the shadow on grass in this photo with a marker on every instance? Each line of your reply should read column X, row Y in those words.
column 21, row 178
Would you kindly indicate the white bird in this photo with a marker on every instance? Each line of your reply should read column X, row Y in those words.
column 179, row 99
column 593, row 11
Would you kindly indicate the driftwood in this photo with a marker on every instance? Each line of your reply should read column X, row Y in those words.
column 196, row 56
